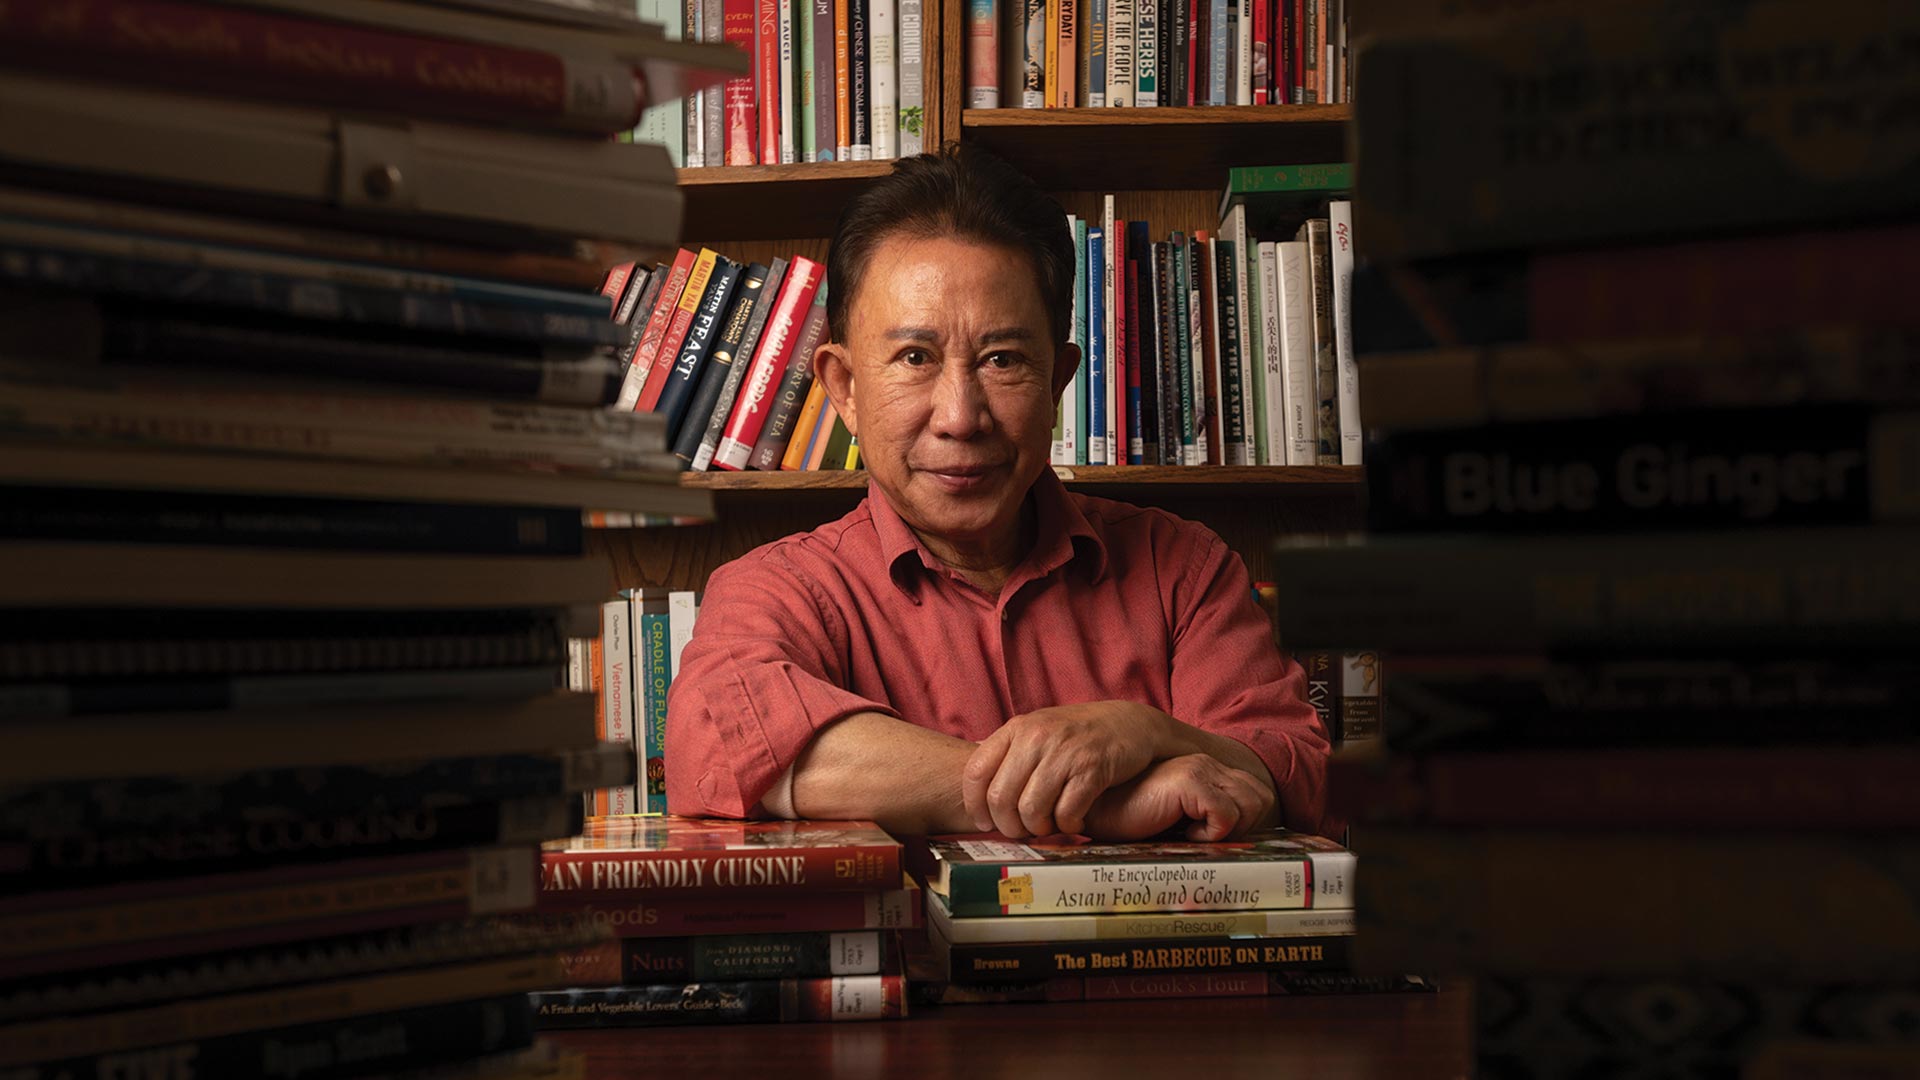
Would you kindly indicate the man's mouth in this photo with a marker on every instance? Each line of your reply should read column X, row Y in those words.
column 960, row 478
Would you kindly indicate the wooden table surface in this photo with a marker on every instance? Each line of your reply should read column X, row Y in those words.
column 1358, row 1037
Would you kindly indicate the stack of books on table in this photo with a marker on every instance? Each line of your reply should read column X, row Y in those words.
column 305, row 378
column 1064, row 919
column 723, row 922
column 1643, row 558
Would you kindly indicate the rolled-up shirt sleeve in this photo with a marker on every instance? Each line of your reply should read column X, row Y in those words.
column 764, row 671
column 1230, row 678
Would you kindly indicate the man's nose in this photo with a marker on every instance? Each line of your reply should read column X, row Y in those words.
column 960, row 401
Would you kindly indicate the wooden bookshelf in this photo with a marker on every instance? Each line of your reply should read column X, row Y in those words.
column 772, row 202
column 1156, row 148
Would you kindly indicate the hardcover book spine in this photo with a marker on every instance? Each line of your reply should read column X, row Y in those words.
column 1209, row 388
column 398, row 1040
column 806, row 429
column 1318, row 880
column 1323, row 691
column 1185, row 317
column 1097, row 397
column 714, row 116
column 665, row 122
column 1067, row 33
column 754, row 1001
column 1340, row 240
column 701, row 331
column 665, row 302
column 1240, row 90
column 742, row 108
column 616, row 691
column 1673, row 470
column 1018, row 961
column 826, row 119
column 983, row 54
column 1219, row 44
column 743, row 354
column 843, row 80
column 696, row 123
column 1093, row 51
column 913, row 78
column 1172, row 448
column 1073, row 426
column 772, row 444
column 1263, row 58
column 1146, row 45
column 1122, row 53
column 784, row 323
column 1360, row 679
column 638, row 961
column 860, row 77
column 676, row 333
column 792, row 107
column 1296, row 350
column 1109, row 324
column 752, row 912
column 1230, row 303
column 883, row 52
column 571, row 878
column 1137, row 406
column 653, row 638
column 1033, row 65
column 1146, row 321
column 766, row 77
column 1199, row 16
column 718, row 375
column 262, row 55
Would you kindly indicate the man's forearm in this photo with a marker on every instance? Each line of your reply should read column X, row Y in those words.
column 873, row 767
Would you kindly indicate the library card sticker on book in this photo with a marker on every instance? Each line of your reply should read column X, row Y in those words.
column 1016, row 891
column 997, row 851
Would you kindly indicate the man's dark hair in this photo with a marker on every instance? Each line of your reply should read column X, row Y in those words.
column 962, row 192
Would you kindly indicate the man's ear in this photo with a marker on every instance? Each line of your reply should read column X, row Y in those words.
column 1066, row 361
column 833, row 365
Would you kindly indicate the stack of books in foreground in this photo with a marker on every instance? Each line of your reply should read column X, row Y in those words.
column 1217, row 348
column 1644, row 561
column 721, row 922
column 304, row 401
column 1065, row 919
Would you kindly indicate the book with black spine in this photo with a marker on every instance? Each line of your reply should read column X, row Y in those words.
column 718, row 372
column 737, row 373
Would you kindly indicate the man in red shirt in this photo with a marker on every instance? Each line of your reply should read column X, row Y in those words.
column 975, row 647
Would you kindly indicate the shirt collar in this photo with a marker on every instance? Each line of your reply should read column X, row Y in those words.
column 1063, row 532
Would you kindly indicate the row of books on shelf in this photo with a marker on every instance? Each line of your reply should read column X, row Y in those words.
column 722, row 353
column 628, row 669
column 831, row 80
column 1035, row 54
column 1216, row 348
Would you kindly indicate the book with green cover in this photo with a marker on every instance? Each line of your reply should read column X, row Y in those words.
column 1270, row 869
column 1275, row 191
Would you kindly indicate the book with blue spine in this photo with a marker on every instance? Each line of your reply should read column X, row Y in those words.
column 1097, row 390
column 1075, row 400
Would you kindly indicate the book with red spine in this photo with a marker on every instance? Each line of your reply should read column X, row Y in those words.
column 766, row 78
column 615, row 283
column 770, row 359
column 899, row 908
column 1263, row 56
column 684, row 309
column 742, row 138
column 626, row 858
column 657, row 322
column 231, row 51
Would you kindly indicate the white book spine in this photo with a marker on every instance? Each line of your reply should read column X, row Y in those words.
column 912, row 81
column 681, row 611
column 1070, row 397
column 696, row 111
column 1340, row 212
column 1116, row 393
column 1296, row 349
column 616, row 690
column 883, row 50
column 1146, row 52
column 1245, row 332
column 789, row 90
column 1122, row 78
column 1070, row 420
column 1275, row 376
column 1243, row 53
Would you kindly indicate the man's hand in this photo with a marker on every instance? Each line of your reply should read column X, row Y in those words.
column 1041, row 772
column 1222, row 802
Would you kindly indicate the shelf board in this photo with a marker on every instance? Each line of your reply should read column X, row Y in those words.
column 1172, row 479
column 771, row 202
column 1158, row 148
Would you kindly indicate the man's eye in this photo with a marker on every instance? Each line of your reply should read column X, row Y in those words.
column 916, row 357
column 1002, row 360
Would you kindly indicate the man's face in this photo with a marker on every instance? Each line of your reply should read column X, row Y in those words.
column 948, row 377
